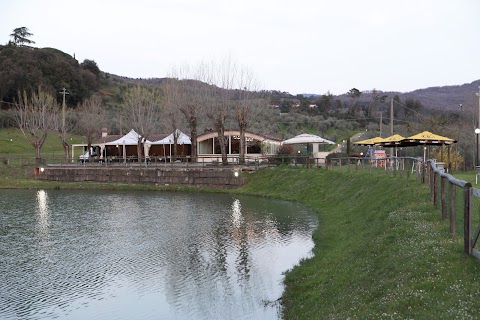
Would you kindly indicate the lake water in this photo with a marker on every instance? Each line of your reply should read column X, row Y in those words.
column 146, row 255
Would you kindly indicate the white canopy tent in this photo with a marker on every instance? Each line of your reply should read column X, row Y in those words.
column 169, row 140
column 315, row 141
column 130, row 139
column 182, row 138
column 307, row 138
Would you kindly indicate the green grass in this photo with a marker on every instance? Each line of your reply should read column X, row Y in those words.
column 381, row 249
column 14, row 144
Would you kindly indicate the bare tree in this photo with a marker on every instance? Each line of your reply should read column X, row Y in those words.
column 91, row 119
column 142, row 106
column 245, row 104
column 189, row 96
column 173, row 95
column 33, row 117
column 62, row 122
column 218, row 99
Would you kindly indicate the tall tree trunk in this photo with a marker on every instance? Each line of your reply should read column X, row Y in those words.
column 241, row 158
column 66, row 150
column 38, row 156
column 175, row 144
column 242, row 114
column 139, row 151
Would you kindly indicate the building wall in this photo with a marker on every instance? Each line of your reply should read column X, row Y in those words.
column 212, row 177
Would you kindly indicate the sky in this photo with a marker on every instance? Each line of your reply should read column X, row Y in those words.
column 297, row 46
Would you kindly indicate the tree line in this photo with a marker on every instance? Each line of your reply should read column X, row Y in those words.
column 215, row 96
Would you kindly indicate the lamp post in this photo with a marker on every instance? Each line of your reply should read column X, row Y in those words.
column 477, row 132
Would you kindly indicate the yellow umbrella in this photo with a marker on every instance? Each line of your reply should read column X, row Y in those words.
column 427, row 138
column 392, row 141
column 368, row 142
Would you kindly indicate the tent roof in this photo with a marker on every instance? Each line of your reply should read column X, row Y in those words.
column 369, row 142
column 130, row 138
column 182, row 138
column 307, row 138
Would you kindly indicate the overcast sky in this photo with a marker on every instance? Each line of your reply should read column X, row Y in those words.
column 298, row 46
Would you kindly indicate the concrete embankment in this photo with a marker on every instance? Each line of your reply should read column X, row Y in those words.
column 211, row 177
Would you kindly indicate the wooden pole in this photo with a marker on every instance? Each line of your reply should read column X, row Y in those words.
column 444, row 199
column 467, row 218
column 453, row 214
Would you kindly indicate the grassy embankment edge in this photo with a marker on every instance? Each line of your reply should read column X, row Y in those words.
column 381, row 250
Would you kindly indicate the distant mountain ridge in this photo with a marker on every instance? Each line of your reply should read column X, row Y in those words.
column 447, row 98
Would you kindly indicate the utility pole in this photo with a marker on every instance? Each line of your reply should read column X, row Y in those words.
column 391, row 123
column 478, row 95
column 391, row 116
column 64, row 92
column 381, row 123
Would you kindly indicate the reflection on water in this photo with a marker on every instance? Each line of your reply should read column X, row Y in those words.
column 129, row 255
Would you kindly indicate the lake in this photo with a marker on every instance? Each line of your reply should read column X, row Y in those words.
column 146, row 255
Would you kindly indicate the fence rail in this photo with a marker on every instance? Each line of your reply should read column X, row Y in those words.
column 253, row 162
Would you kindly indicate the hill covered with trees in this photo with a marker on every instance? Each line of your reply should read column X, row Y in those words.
column 25, row 68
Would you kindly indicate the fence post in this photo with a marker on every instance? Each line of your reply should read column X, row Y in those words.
column 394, row 167
column 453, row 214
column 408, row 169
column 431, row 183
column 467, row 218
column 444, row 199
column 423, row 172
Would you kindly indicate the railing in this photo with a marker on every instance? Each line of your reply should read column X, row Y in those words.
column 179, row 161
column 397, row 165
column 437, row 176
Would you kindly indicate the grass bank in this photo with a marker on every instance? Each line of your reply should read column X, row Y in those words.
column 381, row 250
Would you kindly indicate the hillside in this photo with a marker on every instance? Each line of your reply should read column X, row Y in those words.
column 25, row 68
column 446, row 97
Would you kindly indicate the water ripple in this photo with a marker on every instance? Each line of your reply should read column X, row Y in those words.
column 104, row 255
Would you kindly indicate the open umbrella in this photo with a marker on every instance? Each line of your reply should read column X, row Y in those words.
column 393, row 141
column 369, row 142
column 427, row 138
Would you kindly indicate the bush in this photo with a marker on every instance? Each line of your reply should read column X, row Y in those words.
column 285, row 150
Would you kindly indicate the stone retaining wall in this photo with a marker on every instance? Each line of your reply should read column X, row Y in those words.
column 224, row 178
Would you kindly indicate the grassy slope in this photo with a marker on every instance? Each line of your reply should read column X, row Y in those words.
column 14, row 144
column 381, row 250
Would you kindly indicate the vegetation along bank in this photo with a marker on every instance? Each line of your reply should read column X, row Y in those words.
column 381, row 250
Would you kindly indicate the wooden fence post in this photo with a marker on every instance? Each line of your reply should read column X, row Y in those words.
column 444, row 199
column 453, row 214
column 435, row 188
column 432, row 187
column 467, row 218
column 423, row 172
column 408, row 169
